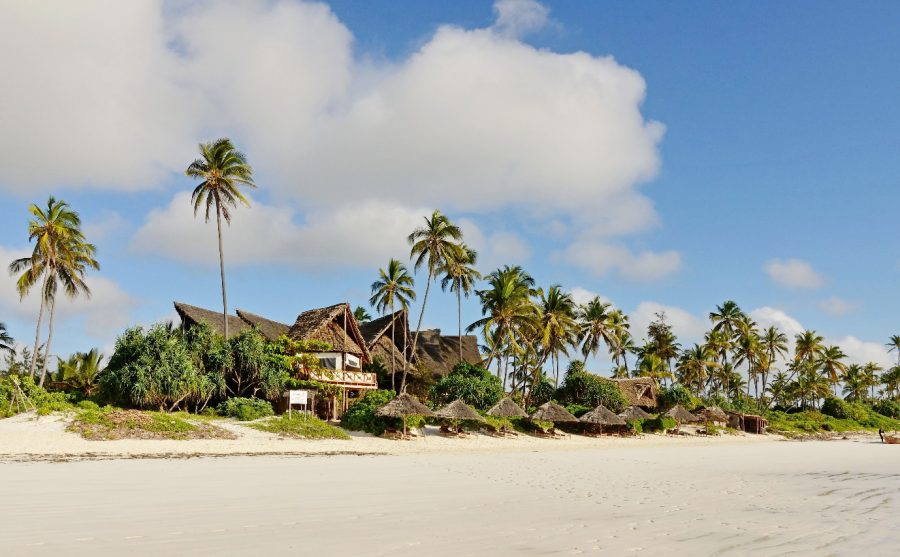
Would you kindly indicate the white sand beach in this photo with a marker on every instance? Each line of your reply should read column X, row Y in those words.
column 474, row 496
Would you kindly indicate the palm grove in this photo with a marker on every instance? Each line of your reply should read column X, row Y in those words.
column 527, row 330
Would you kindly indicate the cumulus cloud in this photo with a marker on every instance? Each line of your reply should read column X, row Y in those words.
column 767, row 317
column 517, row 18
column 793, row 273
column 688, row 327
column 494, row 248
column 837, row 306
column 601, row 258
column 105, row 312
column 862, row 352
column 582, row 296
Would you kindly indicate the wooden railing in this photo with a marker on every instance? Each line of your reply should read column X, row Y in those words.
column 344, row 377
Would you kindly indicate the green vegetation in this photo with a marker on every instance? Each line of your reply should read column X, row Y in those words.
column 586, row 389
column 12, row 401
column 300, row 426
column 660, row 423
column 475, row 385
column 361, row 416
column 674, row 395
column 245, row 409
column 110, row 423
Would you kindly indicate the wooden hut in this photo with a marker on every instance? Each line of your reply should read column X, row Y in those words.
column 507, row 408
column 633, row 413
column 387, row 344
column 713, row 415
column 553, row 412
column 680, row 414
column 601, row 417
column 750, row 423
column 402, row 406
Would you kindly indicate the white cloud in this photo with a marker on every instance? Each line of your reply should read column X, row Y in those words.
column 862, row 352
column 794, row 273
column 688, row 327
column 104, row 313
column 517, row 18
column 495, row 248
column 837, row 306
column 582, row 296
column 109, row 223
column 601, row 258
column 767, row 317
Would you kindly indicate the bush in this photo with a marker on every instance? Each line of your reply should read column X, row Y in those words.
column 586, row 389
column 44, row 402
column 636, row 426
column 661, row 423
column 843, row 410
column 245, row 409
column 361, row 415
column 301, row 426
column 542, row 392
column 475, row 385
column 889, row 408
column 674, row 395
column 578, row 410
column 88, row 405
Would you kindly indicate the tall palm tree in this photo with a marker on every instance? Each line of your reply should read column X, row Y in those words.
column 726, row 319
column 749, row 351
column 7, row 344
column 775, row 343
column 460, row 276
column 855, row 385
column 870, row 374
column 832, row 365
column 894, row 345
column 60, row 256
column 394, row 286
column 654, row 367
column 621, row 336
column 432, row 246
column 558, row 324
column 808, row 346
column 719, row 343
column 595, row 327
column 361, row 315
column 694, row 365
column 80, row 371
column 223, row 170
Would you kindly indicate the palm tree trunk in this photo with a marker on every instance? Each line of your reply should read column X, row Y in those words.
column 418, row 327
column 393, row 349
column 37, row 332
column 47, row 346
column 459, row 319
column 222, row 270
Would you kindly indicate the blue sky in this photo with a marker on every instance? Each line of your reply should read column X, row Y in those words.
column 744, row 151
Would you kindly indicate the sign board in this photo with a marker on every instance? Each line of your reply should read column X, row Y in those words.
column 299, row 397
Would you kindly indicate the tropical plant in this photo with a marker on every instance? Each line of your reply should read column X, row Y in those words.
column 558, row 326
column 7, row 343
column 475, row 385
column 587, row 389
column 775, row 344
column 460, row 276
column 394, row 286
column 432, row 245
column 894, row 346
column 245, row 409
column 832, row 365
column 80, row 371
column 808, row 346
column 856, row 388
column 223, row 170
column 595, row 326
column 361, row 315
column 694, row 365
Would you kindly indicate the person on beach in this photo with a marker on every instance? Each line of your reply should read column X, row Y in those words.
column 881, row 434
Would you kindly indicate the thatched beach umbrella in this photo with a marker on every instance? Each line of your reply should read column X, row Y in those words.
column 552, row 412
column 681, row 415
column 601, row 416
column 458, row 410
column 402, row 406
column 713, row 414
column 634, row 413
column 507, row 408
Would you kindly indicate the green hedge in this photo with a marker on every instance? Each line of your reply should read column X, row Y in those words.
column 245, row 409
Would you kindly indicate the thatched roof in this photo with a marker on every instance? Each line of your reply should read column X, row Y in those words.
column 681, row 415
column 270, row 329
column 638, row 391
column 634, row 413
column 712, row 414
column 404, row 405
column 377, row 334
column 192, row 315
column 438, row 354
column 458, row 410
column 601, row 415
column 334, row 325
column 507, row 408
column 552, row 412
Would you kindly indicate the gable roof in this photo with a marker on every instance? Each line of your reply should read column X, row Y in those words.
column 193, row 315
column 439, row 353
column 329, row 324
column 270, row 329
column 377, row 334
column 638, row 391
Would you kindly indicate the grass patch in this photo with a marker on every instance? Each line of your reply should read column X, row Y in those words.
column 811, row 423
column 108, row 423
column 300, row 427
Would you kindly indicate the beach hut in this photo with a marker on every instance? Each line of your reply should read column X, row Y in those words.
column 713, row 415
column 458, row 411
column 507, row 408
column 402, row 406
column 749, row 423
column 681, row 415
column 601, row 417
column 553, row 412
column 633, row 413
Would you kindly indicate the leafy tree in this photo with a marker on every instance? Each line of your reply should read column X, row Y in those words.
column 662, row 342
column 80, row 371
column 433, row 245
column 832, row 365
column 808, row 346
column 595, row 327
column 694, row 365
column 855, row 385
column 586, row 389
column 557, row 324
column 361, row 315
column 473, row 384
column 394, row 286
column 460, row 276
column 223, row 170
column 7, row 343
column 894, row 346
column 775, row 344
column 676, row 394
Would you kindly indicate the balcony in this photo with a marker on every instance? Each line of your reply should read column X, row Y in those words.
column 357, row 379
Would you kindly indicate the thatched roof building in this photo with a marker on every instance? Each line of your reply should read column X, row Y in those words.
column 377, row 334
column 638, row 391
column 438, row 354
column 458, row 410
column 193, row 315
column 634, row 413
column 602, row 415
column 404, row 405
column 712, row 414
column 507, row 408
column 553, row 412
column 334, row 325
column 681, row 415
column 270, row 329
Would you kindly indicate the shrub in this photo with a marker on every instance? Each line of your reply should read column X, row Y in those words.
column 361, row 415
column 578, row 410
column 843, row 410
column 301, row 426
column 661, row 423
column 475, row 385
column 636, row 426
column 542, row 392
column 44, row 402
column 674, row 395
column 245, row 409
column 88, row 405
column 586, row 389
column 889, row 408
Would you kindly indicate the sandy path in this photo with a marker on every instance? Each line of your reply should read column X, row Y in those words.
column 760, row 498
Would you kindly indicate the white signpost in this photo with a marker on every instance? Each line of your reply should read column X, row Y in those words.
column 300, row 398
